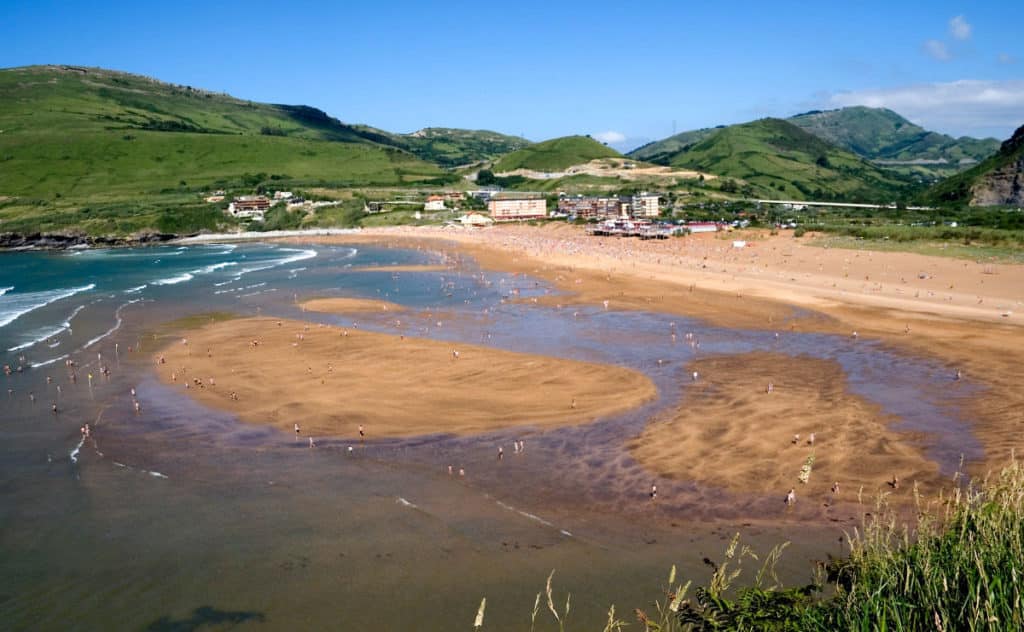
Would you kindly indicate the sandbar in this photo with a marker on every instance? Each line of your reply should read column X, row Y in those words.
column 344, row 305
column 331, row 380
column 732, row 433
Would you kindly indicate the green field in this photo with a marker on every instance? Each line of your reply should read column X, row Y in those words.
column 555, row 155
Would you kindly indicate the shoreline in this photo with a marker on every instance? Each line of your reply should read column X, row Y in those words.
column 811, row 292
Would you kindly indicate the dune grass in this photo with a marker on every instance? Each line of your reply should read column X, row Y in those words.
column 956, row 567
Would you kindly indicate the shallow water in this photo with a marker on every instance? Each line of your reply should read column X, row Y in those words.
column 183, row 516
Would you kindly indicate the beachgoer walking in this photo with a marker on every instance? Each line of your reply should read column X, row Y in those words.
column 654, row 491
column 791, row 497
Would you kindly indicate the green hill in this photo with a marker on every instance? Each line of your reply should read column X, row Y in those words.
column 74, row 137
column 660, row 152
column 555, row 155
column 877, row 134
column 779, row 160
column 997, row 181
column 451, row 148
column 883, row 135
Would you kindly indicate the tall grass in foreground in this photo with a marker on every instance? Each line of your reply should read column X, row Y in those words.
column 957, row 568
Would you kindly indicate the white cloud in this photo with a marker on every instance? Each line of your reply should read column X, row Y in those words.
column 969, row 106
column 960, row 28
column 937, row 50
column 610, row 137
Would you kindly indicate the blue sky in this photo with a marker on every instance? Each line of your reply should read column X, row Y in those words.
column 621, row 71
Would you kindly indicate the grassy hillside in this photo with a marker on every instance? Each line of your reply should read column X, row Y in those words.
column 779, row 160
column 968, row 187
column 889, row 139
column 877, row 134
column 451, row 148
column 660, row 152
column 73, row 138
column 555, row 155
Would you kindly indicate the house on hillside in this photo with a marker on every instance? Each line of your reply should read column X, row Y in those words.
column 517, row 206
column 434, row 203
column 252, row 207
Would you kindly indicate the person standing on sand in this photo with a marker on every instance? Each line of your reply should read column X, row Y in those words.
column 791, row 497
column 654, row 491
column 297, row 430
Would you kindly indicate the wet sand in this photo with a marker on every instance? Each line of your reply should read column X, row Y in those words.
column 732, row 433
column 965, row 314
column 350, row 306
column 331, row 380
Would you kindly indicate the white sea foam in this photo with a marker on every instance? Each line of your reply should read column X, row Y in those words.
column 74, row 453
column 191, row 274
column 36, row 365
column 300, row 255
column 133, row 290
column 40, row 335
column 174, row 280
column 406, row 503
column 14, row 306
column 5, row 290
column 117, row 325
column 216, row 266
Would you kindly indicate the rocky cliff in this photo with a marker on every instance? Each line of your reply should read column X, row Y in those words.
column 1003, row 185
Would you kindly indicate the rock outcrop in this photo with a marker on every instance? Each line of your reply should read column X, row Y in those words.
column 1003, row 185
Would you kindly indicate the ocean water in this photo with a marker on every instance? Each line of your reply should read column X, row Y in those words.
column 183, row 517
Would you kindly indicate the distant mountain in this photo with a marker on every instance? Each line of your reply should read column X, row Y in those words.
column 779, row 160
column 555, row 155
column 451, row 148
column 997, row 181
column 883, row 135
column 876, row 134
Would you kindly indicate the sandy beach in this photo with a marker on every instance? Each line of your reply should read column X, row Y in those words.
column 331, row 380
column 734, row 433
column 964, row 314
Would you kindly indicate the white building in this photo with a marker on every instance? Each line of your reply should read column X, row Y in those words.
column 517, row 207
column 645, row 205
column 434, row 203
column 475, row 219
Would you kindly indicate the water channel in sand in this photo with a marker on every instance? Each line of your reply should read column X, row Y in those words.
column 184, row 515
